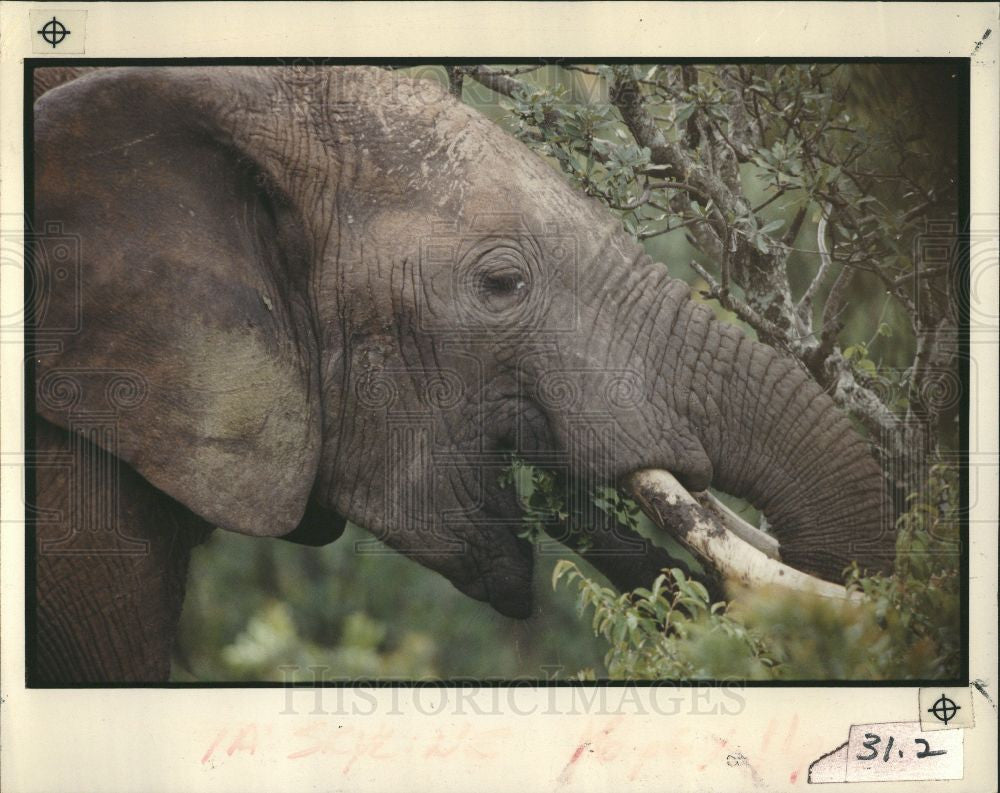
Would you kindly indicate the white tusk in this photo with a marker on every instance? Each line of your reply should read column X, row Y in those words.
column 708, row 536
column 760, row 540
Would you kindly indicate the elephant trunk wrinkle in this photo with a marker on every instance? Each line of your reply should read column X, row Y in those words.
column 776, row 439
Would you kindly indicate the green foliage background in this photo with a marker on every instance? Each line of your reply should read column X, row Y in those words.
column 256, row 606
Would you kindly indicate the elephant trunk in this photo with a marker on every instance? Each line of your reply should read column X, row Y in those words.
column 777, row 440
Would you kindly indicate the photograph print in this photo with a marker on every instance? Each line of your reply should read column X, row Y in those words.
column 550, row 371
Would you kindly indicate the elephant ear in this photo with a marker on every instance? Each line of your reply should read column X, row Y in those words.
column 177, row 320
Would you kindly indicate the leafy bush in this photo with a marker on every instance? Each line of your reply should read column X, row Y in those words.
column 906, row 627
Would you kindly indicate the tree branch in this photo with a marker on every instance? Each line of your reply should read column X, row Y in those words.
column 497, row 81
column 781, row 191
column 455, row 79
column 687, row 188
column 825, row 261
column 831, row 325
column 626, row 95
column 738, row 307
column 793, row 230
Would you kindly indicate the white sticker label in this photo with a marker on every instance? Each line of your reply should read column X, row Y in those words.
column 901, row 751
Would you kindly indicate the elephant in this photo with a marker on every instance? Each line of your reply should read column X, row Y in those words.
column 300, row 296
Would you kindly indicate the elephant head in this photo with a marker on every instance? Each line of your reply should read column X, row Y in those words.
column 344, row 289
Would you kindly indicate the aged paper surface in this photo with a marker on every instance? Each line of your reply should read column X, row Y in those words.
column 589, row 738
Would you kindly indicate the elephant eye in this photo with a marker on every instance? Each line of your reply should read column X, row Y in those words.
column 502, row 283
column 496, row 274
column 503, row 287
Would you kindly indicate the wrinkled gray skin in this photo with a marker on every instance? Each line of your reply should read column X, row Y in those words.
column 345, row 289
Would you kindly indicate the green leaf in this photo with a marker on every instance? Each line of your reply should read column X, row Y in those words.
column 684, row 112
column 560, row 568
column 700, row 590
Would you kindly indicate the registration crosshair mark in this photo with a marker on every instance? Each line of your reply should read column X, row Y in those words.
column 944, row 709
column 53, row 32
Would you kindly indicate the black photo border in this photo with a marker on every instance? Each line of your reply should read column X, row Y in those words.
column 960, row 275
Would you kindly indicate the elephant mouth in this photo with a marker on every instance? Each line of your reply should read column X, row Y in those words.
column 501, row 567
column 508, row 590
column 504, row 565
column 506, row 583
